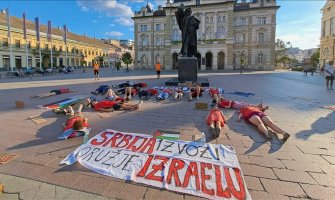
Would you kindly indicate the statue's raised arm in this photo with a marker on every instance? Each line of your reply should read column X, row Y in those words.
column 180, row 15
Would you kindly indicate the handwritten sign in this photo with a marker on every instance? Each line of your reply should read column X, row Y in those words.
column 210, row 171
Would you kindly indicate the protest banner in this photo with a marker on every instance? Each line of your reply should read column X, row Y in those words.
column 210, row 171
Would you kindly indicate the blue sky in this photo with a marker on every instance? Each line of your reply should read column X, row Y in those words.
column 298, row 22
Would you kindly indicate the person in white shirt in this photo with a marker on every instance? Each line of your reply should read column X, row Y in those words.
column 329, row 73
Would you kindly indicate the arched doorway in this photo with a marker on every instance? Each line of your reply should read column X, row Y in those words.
column 198, row 55
column 174, row 61
column 221, row 60
column 209, row 60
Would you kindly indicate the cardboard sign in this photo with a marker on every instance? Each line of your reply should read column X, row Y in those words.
column 210, row 171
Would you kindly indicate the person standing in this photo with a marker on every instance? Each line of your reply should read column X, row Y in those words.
column 329, row 73
column 96, row 70
column 158, row 69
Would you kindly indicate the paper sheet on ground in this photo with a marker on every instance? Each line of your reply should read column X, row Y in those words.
column 208, row 170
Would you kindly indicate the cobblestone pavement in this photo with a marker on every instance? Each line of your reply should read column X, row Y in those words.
column 304, row 167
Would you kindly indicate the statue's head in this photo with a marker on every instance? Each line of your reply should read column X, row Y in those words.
column 188, row 11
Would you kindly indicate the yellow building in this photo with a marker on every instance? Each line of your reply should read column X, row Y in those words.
column 81, row 50
column 327, row 41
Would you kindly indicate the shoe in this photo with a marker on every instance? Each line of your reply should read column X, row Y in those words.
column 212, row 131
column 217, row 132
column 286, row 137
column 197, row 98
column 268, row 135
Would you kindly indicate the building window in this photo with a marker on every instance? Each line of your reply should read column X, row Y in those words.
column 219, row 18
column 89, row 52
column 28, row 44
column 211, row 19
column 17, row 43
column 144, row 41
column 260, row 57
column 4, row 42
column 158, row 41
column 223, row 18
column 46, row 46
column 61, row 48
column 175, row 35
column 221, row 32
column 6, row 62
column 263, row 20
column 30, row 63
column 54, row 47
column 207, row 19
column 243, row 21
column 174, row 22
column 144, row 28
column 261, row 37
column 158, row 27
column 331, row 26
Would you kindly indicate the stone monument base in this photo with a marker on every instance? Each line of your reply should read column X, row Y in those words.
column 175, row 82
column 187, row 69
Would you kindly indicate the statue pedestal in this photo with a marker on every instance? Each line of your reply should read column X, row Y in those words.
column 188, row 69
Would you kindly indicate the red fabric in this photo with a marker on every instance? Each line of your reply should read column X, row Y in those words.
column 71, row 121
column 225, row 103
column 104, row 104
column 213, row 91
column 247, row 111
column 64, row 90
column 119, row 99
column 153, row 92
column 214, row 116
column 167, row 91
column 134, row 92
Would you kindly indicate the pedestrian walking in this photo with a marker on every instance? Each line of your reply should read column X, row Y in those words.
column 305, row 69
column 96, row 71
column 158, row 69
column 330, row 73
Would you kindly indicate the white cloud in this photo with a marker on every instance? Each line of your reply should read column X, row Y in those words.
column 137, row 1
column 84, row 8
column 114, row 34
column 109, row 7
column 126, row 21
column 112, row 25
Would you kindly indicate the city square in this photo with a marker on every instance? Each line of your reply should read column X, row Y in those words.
column 167, row 99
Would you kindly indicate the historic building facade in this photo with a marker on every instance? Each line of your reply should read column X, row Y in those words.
column 230, row 32
column 327, row 42
column 81, row 50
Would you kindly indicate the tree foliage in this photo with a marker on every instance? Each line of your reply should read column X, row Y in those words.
column 314, row 59
column 280, row 49
column 127, row 59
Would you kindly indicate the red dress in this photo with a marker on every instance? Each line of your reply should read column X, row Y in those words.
column 215, row 115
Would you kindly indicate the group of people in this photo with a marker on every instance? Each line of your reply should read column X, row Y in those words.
column 254, row 114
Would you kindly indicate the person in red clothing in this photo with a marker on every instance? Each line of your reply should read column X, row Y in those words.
column 146, row 94
column 110, row 106
column 76, row 122
column 256, row 116
column 196, row 92
column 215, row 121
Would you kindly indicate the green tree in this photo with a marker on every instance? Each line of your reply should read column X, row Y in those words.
column 127, row 59
column 314, row 59
column 280, row 49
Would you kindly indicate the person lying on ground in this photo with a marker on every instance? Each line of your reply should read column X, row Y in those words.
column 224, row 103
column 111, row 96
column 75, row 108
column 146, row 94
column 178, row 95
column 164, row 95
column 53, row 92
column 110, row 106
column 136, row 86
column 214, row 93
column 256, row 116
column 196, row 92
column 123, row 85
column 75, row 126
column 215, row 121
column 102, row 89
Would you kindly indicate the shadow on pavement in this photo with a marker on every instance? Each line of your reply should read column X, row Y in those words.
column 323, row 125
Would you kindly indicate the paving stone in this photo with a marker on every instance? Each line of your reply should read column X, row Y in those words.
column 294, row 176
column 328, row 169
column 91, row 184
column 319, row 192
column 266, row 162
column 324, row 179
column 253, row 183
column 282, row 188
column 302, row 166
column 17, row 185
column 131, row 192
column 259, row 195
column 330, row 159
column 9, row 196
column 257, row 171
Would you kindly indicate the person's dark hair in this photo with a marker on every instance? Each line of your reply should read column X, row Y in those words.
column 78, row 125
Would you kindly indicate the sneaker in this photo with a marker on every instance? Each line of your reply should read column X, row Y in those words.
column 269, row 135
column 197, row 98
column 217, row 132
column 286, row 137
column 212, row 131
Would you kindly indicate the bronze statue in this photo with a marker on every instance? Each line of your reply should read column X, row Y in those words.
column 188, row 25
